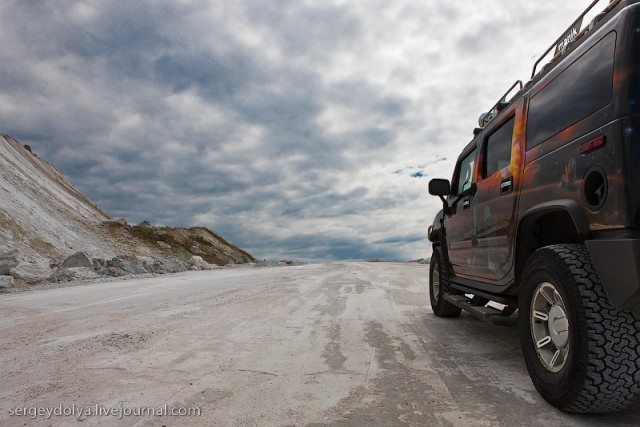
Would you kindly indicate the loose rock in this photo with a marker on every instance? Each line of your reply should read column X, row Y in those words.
column 29, row 273
column 8, row 260
column 6, row 281
column 163, row 245
column 79, row 259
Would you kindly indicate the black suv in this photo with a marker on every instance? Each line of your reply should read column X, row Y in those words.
column 542, row 217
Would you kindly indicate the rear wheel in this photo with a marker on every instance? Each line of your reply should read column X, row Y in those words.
column 438, row 285
column 583, row 355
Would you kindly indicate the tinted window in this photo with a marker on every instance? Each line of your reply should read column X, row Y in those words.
column 498, row 149
column 583, row 88
column 464, row 179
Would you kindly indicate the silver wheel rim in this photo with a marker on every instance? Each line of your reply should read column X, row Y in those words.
column 435, row 279
column 550, row 327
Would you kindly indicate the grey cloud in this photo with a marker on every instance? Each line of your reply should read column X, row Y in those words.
column 401, row 239
column 278, row 124
column 316, row 247
column 478, row 39
column 326, row 203
column 214, row 78
column 315, row 29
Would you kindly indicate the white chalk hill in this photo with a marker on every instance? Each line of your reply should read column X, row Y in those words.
column 44, row 220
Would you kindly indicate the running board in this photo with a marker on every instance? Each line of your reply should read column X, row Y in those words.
column 467, row 286
column 488, row 314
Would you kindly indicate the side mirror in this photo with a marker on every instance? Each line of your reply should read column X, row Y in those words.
column 439, row 187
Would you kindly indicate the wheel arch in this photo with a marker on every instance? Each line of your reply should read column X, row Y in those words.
column 434, row 233
column 555, row 222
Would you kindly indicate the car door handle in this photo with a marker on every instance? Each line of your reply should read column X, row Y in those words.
column 465, row 204
column 506, row 185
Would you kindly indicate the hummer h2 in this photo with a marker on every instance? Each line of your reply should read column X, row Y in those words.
column 542, row 216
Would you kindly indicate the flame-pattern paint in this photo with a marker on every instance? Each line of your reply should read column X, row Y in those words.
column 593, row 92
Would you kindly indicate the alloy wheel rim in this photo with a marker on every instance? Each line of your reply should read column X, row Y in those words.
column 550, row 327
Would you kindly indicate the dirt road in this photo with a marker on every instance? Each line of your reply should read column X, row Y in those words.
column 338, row 344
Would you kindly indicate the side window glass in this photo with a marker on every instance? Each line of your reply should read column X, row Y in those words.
column 498, row 149
column 464, row 178
column 582, row 89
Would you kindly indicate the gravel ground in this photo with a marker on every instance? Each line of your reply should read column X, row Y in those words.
column 331, row 344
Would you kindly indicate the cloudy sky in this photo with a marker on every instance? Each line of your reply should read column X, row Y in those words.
column 295, row 129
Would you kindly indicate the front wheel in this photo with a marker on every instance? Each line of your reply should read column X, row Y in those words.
column 438, row 285
column 583, row 354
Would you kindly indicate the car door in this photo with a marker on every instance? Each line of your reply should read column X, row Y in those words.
column 460, row 224
column 499, row 167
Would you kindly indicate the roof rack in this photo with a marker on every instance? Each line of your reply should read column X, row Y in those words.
column 561, row 45
column 502, row 103
column 574, row 32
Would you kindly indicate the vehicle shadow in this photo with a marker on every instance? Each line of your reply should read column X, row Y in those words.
column 490, row 356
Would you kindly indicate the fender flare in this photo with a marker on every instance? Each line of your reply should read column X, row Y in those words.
column 434, row 230
column 569, row 206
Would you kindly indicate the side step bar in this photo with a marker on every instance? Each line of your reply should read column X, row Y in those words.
column 488, row 314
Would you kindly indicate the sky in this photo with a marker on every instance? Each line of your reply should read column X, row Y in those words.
column 304, row 130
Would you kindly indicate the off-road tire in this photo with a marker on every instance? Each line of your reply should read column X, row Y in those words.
column 601, row 370
column 439, row 284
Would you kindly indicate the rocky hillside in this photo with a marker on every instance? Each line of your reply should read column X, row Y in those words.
column 44, row 221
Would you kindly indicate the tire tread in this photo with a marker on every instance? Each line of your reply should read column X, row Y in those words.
column 442, row 308
column 612, row 379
